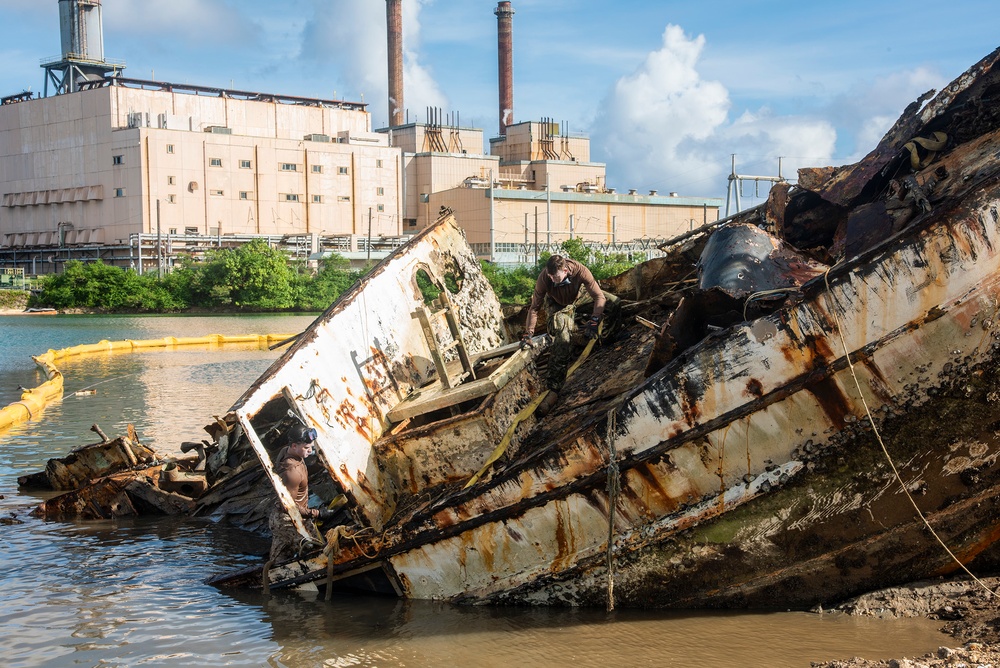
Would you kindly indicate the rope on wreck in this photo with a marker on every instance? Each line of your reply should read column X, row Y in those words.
column 332, row 549
column 528, row 410
column 614, row 487
column 888, row 457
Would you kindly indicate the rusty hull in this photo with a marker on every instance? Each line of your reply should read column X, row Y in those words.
column 89, row 462
column 750, row 474
column 364, row 356
column 726, row 455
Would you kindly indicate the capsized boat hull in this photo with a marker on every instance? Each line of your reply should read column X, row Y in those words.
column 742, row 455
column 748, row 472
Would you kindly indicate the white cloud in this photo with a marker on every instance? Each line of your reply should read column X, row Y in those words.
column 188, row 21
column 868, row 110
column 649, row 114
column 352, row 42
column 665, row 127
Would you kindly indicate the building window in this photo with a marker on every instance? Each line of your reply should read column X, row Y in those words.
column 380, row 191
column 244, row 194
column 381, row 207
column 317, row 169
column 215, row 162
column 213, row 231
column 119, row 192
column 344, row 198
column 216, row 193
column 289, row 167
column 245, row 164
column 317, row 199
column 171, row 199
column 172, row 230
column 118, row 160
column 170, row 149
column 341, row 170
column 378, row 163
column 289, row 197
column 190, row 230
column 171, row 181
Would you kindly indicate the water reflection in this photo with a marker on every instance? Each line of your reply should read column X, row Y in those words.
column 131, row 592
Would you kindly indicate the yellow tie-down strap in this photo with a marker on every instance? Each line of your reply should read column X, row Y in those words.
column 35, row 399
column 528, row 410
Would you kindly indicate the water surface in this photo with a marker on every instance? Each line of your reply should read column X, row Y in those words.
column 130, row 592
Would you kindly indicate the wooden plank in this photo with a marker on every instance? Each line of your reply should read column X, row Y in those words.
column 510, row 368
column 434, row 397
column 456, row 333
column 427, row 400
column 424, row 316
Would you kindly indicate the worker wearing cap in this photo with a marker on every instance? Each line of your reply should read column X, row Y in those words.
column 290, row 466
column 564, row 286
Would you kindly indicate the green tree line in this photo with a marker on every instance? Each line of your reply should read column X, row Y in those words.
column 256, row 277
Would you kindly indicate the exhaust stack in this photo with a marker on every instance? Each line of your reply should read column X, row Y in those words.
column 394, row 25
column 82, row 61
column 505, row 50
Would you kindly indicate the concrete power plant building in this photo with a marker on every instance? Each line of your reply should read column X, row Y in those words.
column 139, row 173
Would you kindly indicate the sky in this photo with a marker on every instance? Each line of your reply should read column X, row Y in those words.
column 666, row 91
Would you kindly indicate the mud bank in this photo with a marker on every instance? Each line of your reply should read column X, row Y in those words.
column 970, row 619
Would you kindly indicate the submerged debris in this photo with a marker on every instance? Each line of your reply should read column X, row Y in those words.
column 117, row 477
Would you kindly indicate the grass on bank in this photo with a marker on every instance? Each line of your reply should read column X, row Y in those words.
column 255, row 278
column 14, row 300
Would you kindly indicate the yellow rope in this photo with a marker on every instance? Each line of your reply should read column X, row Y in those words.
column 614, row 487
column 888, row 457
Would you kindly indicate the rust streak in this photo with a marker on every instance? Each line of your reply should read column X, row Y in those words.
column 831, row 399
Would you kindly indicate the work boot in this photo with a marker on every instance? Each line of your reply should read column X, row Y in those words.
column 547, row 403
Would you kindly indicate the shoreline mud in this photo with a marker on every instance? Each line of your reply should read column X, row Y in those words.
column 969, row 613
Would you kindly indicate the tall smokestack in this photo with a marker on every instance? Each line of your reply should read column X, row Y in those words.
column 394, row 24
column 505, row 49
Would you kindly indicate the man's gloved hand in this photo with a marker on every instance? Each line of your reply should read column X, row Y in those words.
column 590, row 329
column 325, row 514
column 526, row 342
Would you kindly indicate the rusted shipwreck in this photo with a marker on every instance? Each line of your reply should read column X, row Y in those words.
column 726, row 457
column 119, row 477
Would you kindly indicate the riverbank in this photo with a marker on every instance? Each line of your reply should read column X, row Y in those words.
column 13, row 302
column 970, row 615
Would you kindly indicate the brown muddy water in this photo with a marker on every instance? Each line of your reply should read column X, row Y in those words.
column 131, row 592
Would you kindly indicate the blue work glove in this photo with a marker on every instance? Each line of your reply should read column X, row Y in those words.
column 590, row 329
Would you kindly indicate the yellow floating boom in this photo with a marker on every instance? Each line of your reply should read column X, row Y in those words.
column 35, row 399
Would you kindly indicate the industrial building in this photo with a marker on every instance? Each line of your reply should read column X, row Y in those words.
column 140, row 173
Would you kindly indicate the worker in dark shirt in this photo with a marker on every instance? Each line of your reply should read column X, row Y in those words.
column 564, row 286
column 290, row 466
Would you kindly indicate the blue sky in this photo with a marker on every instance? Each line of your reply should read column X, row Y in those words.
column 666, row 90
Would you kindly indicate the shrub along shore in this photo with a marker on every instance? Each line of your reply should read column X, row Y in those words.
column 258, row 278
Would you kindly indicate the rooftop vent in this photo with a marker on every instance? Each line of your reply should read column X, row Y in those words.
column 219, row 130
column 317, row 137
